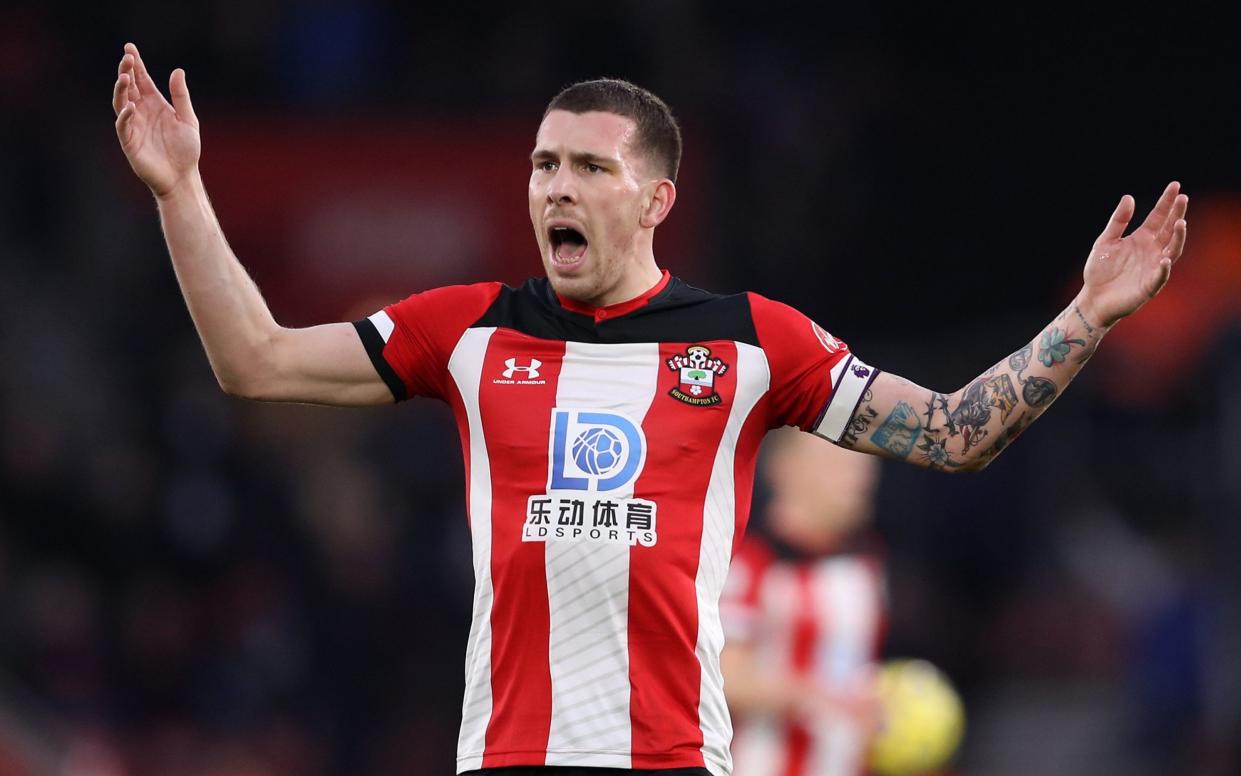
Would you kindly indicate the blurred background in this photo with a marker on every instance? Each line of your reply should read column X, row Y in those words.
column 199, row 586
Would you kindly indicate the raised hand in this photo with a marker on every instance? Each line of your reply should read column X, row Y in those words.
column 159, row 138
column 1123, row 273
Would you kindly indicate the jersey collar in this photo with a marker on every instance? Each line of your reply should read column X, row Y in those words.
column 601, row 314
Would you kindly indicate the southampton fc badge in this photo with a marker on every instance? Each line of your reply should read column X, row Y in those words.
column 698, row 371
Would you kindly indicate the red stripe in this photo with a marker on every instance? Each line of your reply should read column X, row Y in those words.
column 663, row 602
column 874, row 570
column 804, row 642
column 453, row 396
column 797, row 749
column 515, row 419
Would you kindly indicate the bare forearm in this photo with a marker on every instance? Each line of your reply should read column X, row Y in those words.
column 232, row 319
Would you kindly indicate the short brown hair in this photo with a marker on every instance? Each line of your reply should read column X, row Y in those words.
column 659, row 135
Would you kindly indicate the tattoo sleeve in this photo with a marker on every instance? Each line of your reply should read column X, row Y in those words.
column 965, row 430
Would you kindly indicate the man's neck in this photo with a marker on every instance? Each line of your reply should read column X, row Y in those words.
column 604, row 312
column 634, row 286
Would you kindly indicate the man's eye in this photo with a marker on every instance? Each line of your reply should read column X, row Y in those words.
column 593, row 168
column 546, row 166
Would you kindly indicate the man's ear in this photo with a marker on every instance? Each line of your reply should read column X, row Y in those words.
column 656, row 209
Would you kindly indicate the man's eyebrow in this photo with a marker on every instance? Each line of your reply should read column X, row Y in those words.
column 578, row 157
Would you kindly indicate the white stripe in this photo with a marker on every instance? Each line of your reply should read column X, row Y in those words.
column 719, row 521
column 845, row 599
column 759, row 748
column 588, row 583
column 383, row 324
column 466, row 366
column 849, row 378
column 845, row 603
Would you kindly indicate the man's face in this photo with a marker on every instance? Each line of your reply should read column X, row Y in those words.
column 588, row 189
column 820, row 493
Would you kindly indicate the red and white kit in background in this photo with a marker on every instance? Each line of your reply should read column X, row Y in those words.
column 820, row 618
column 609, row 461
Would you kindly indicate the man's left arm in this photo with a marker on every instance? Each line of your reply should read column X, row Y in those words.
column 965, row 430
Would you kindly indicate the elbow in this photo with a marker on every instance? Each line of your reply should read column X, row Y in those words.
column 970, row 467
column 237, row 386
column 250, row 374
column 974, row 464
column 249, row 383
column 255, row 386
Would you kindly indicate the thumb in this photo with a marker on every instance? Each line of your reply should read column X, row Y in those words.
column 181, row 97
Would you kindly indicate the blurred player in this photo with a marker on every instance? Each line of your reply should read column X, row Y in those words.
column 803, row 614
column 610, row 416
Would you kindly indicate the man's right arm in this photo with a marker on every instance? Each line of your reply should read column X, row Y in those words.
column 251, row 355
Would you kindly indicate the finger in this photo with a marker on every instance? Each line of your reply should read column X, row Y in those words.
column 1115, row 228
column 1179, row 206
column 1162, row 273
column 181, row 97
column 120, row 93
column 145, row 85
column 1177, row 244
column 1159, row 213
column 123, row 122
column 132, row 92
column 126, row 68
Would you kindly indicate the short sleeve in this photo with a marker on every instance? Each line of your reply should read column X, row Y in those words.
column 816, row 382
column 411, row 341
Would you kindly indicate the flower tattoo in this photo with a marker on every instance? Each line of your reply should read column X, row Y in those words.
column 1053, row 347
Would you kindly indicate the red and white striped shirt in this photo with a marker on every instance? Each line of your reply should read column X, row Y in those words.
column 609, row 461
column 819, row 618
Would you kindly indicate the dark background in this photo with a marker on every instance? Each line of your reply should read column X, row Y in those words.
column 191, row 584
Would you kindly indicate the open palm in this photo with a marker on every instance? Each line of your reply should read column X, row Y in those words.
column 159, row 138
column 1124, row 272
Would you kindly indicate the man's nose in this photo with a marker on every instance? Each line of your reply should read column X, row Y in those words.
column 561, row 189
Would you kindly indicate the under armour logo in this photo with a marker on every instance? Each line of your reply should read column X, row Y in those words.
column 532, row 371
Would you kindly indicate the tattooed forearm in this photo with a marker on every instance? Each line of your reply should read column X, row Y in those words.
column 965, row 430
column 1042, row 369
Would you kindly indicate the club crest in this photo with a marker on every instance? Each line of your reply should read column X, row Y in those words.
column 697, row 370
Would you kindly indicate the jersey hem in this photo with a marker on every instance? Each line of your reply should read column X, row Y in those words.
column 538, row 757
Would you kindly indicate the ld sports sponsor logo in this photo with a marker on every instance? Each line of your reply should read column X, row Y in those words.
column 594, row 458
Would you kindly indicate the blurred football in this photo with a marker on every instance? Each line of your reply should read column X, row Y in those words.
column 923, row 719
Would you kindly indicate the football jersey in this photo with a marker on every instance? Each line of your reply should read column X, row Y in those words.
column 819, row 618
column 609, row 456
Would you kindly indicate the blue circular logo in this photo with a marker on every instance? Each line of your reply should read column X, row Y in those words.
column 597, row 450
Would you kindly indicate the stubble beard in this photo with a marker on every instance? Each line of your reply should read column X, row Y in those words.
column 588, row 287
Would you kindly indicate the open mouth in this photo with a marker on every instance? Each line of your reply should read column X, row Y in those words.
column 568, row 244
